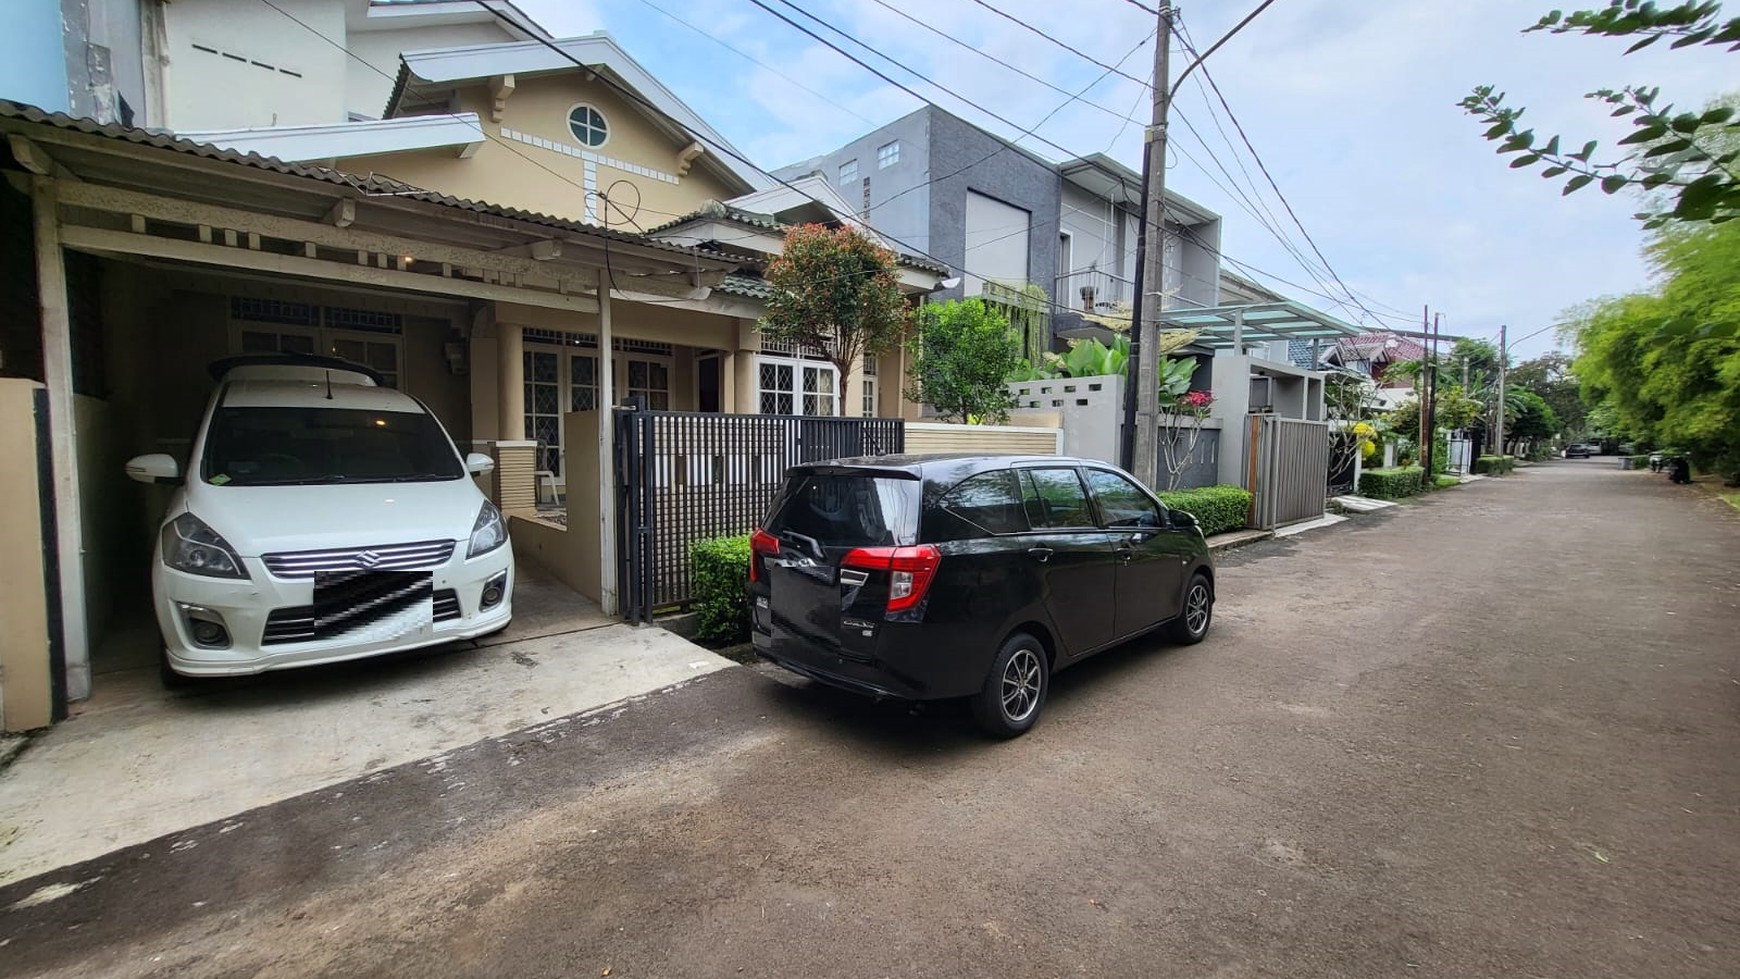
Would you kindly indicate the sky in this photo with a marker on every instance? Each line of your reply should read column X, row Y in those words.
column 1350, row 104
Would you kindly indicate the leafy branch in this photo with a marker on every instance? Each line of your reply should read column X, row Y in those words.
column 1690, row 154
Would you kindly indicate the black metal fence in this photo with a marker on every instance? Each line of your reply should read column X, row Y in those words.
column 682, row 477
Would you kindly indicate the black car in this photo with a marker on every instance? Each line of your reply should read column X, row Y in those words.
column 928, row 577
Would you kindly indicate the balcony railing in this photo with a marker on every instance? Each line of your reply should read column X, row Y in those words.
column 1093, row 290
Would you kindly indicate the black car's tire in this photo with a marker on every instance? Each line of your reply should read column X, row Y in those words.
column 1014, row 692
column 1197, row 614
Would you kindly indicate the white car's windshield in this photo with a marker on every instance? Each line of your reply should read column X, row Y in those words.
column 300, row 446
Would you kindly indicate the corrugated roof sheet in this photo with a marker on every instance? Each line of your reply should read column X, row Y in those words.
column 366, row 184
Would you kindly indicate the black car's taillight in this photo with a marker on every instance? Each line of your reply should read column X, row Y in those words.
column 761, row 542
column 911, row 570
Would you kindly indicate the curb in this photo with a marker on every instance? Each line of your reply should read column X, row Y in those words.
column 11, row 746
column 1237, row 538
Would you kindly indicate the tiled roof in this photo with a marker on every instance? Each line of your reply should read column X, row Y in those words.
column 367, row 184
column 716, row 211
column 748, row 286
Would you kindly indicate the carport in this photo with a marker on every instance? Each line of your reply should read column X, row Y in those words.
column 154, row 256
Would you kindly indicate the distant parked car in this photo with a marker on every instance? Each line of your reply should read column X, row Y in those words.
column 1577, row 450
column 929, row 577
column 322, row 517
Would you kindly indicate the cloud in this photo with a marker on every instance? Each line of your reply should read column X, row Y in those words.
column 1351, row 105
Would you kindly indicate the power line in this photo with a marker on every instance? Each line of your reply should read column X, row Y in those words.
column 750, row 57
column 1139, row 5
column 1011, row 18
column 1263, row 168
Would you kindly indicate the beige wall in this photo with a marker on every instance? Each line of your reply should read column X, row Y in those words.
column 547, row 181
column 571, row 554
column 923, row 437
column 25, row 682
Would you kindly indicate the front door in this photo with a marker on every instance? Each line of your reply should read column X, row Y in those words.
column 1151, row 556
column 1071, row 555
column 708, row 384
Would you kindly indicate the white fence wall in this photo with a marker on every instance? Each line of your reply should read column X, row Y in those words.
column 926, row 437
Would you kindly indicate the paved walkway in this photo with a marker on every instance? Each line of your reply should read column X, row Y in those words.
column 135, row 762
column 1489, row 733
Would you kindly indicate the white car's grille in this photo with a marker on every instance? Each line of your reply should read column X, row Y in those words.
column 382, row 557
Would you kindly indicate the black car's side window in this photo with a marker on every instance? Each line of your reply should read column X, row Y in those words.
column 1122, row 502
column 988, row 503
column 1054, row 499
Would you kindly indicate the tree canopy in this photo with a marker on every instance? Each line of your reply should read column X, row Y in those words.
column 1689, row 157
column 1549, row 376
column 1673, row 388
column 965, row 354
column 834, row 290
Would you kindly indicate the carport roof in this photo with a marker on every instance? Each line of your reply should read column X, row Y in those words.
column 1227, row 326
column 369, row 185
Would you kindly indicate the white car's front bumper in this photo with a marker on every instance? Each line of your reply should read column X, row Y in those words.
column 246, row 608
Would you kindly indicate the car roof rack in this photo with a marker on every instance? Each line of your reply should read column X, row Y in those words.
column 218, row 368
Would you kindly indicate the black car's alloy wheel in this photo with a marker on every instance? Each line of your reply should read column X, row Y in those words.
column 1014, row 692
column 1198, row 612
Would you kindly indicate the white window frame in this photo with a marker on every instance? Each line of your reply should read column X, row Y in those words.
column 798, row 365
column 568, row 126
column 888, row 154
column 323, row 339
column 848, row 179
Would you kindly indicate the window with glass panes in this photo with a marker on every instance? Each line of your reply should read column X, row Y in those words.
column 363, row 336
column 543, row 404
column 651, row 381
column 869, row 386
column 792, row 386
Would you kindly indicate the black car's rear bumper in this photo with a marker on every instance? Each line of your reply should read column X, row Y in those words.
column 923, row 673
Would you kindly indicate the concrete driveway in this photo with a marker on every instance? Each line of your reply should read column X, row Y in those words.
column 136, row 762
column 1495, row 733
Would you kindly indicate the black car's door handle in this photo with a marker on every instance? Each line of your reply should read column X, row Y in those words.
column 1040, row 553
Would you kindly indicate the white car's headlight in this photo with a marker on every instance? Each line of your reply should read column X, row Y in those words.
column 190, row 546
column 488, row 533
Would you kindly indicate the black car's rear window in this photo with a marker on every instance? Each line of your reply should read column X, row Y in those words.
column 846, row 511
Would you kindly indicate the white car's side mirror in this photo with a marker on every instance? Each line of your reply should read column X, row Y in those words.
column 479, row 464
column 158, row 467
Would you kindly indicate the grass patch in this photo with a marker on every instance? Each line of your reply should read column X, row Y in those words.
column 1445, row 482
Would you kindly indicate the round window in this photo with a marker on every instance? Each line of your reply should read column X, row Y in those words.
column 588, row 125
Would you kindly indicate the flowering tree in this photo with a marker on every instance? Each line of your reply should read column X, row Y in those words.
column 835, row 290
column 1178, row 446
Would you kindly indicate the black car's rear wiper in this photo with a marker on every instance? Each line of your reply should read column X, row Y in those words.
column 814, row 546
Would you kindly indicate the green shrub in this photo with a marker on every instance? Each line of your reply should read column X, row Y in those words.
column 1216, row 508
column 1640, row 461
column 1494, row 465
column 1392, row 484
column 720, row 593
column 1444, row 482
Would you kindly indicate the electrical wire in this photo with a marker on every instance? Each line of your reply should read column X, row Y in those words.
column 1263, row 168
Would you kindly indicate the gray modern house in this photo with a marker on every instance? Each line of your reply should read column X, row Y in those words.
column 994, row 212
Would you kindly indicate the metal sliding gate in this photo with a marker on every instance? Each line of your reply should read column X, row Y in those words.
column 682, row 477
column 1287, row 470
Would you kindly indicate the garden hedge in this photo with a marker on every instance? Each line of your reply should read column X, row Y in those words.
column 1217, row 508
column 719, row 569
column 1640, row 461
column 1392, row 484
column 1494, row 465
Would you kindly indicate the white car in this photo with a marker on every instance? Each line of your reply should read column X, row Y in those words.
column 322, row 517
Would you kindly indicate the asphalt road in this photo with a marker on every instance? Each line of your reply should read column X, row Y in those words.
column 1496, row 733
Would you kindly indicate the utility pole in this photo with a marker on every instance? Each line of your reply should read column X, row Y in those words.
column 1144, row 461
column 1503, row 358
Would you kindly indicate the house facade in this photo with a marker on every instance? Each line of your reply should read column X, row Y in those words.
column 482, row 245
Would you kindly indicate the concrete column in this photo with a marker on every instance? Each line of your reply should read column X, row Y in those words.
column 745, row 387
column 728, row 379
column 58, row 379
column 510, row 367
column 607, row 598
